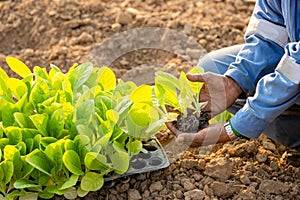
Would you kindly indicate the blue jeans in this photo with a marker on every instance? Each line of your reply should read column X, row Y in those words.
column 285, row 128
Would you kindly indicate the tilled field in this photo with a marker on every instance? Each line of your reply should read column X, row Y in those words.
column 65, row 32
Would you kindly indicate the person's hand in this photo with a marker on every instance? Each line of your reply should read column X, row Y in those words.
column 213, row 134
column 219, row 91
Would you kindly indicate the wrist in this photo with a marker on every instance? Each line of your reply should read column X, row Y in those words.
column 229, row 131
column 234, row 85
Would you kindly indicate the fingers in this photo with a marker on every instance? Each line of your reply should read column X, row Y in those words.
column 172, row 128
column 193, row 140
column 195, row 77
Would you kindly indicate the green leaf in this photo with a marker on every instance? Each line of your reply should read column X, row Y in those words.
column 18, row 66
column 40, row 161
column 120, row 161
column 40, row 92
column 134, row 147
column 1, row 172
column 14, row 194
column 12, row 153
column 40, row 73
column 112, row 116
column 167, row 95
column 45, row 141
column 24, row 183
column 107, row 79
column 56, row 123
column 23, row 120
column 85, row 110
column 140, row 114
column 70, row 182
column 154, row 127
column 46, row 195
column 55, row 152
column 70, row 193
column 8, row 170
column 7, row 114
column 13, row 134
column 95, row 161
column 80, row 74
column 72, row 162
column 40, row 121
column 22, row 148
column 92, row 181
column 167, row 79
column 81, row 192
column 3, row 142
column 84, row 130
column 27, row 170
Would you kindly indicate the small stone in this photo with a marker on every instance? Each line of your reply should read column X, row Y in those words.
column 189, row 163
column 156, row 186
column 173, row 24
column 85, row 38
column 116, row 27
column 198, row 177
column 195, row 194
column 243, row 149
column 269, row 146
column 146, row 194
column 123, row 18
column 245, row 179
column 208, row 191
column 176, row 186
column 122, row 187
column 134, row 194
column 273, row 187
column 220, row 168
column 224, row 190
column 132, row 11
column 261, row 157
column 179, row 194
column 187, row 185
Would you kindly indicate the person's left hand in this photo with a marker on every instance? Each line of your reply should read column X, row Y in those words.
column 213, row 134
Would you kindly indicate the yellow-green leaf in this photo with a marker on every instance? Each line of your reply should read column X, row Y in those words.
column 142, row 93
column 18, row 66
column 17, row 87
column 107, row 79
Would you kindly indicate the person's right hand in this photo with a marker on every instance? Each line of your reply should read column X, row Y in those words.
column 219, row 91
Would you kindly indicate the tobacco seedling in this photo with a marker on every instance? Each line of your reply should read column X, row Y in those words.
column 181, row 95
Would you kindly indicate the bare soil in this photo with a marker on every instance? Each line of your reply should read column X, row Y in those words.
column 64, row 32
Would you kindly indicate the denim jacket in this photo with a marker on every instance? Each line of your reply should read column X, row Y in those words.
column 268, row 66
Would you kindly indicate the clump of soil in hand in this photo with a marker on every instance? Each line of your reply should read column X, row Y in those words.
column 192, row 123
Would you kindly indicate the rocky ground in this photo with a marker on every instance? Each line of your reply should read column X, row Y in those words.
column 63, row 32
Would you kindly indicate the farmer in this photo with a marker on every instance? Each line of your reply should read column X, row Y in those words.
column 260, row 80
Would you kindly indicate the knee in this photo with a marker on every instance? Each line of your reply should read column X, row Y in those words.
column 285, row 130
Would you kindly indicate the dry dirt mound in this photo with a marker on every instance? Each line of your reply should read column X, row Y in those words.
column 64, row 32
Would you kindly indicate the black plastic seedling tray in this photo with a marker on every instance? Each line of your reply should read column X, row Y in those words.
column 155, row 159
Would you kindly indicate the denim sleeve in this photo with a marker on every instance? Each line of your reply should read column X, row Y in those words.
column 265, row 39
column 275, row 93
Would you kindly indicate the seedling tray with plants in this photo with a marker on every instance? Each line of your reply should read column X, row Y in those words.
column 66, row 133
